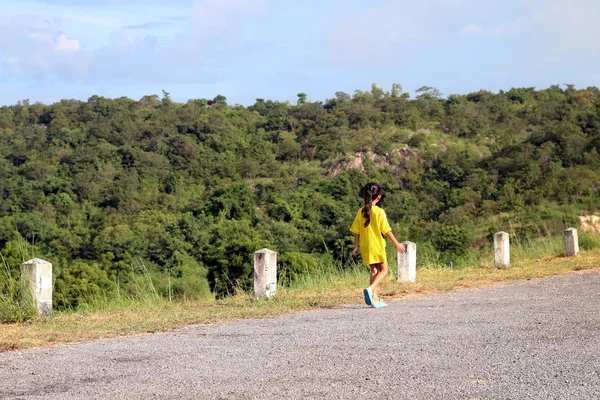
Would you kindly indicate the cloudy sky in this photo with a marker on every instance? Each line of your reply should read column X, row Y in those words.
column 274, row 49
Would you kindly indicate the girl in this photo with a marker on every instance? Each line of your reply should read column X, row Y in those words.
column 369, row 227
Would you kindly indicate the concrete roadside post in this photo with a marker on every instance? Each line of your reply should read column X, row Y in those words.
column 407, row 263
column 571, row 242
column 265, row 274
column 36, row 284
column 501, row 250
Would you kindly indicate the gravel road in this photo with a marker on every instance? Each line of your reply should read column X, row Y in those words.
column 537, row 339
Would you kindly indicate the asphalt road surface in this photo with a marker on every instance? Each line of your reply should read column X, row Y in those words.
column 537, row 339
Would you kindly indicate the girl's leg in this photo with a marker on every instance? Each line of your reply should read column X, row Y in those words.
column 369, row 296
column 378, row 273
column 374, row 271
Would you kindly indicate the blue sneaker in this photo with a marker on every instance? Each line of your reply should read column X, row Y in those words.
column 379, row 304
column 368, row 296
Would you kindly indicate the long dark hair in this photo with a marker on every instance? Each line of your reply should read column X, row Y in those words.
column 369, row 193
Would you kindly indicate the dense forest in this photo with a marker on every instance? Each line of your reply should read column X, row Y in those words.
column 111, row 189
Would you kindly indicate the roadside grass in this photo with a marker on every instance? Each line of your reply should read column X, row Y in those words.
column 331, row 286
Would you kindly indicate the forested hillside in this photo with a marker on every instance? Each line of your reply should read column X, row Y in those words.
column 108, row 189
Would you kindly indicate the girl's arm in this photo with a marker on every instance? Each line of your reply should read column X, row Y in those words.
column 356, row 249
column 399, row 246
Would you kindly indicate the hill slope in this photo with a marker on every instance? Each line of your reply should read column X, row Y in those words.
column 111, row 189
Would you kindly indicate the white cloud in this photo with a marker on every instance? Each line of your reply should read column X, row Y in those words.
column 372, row 37
column 120, row 41
column 505, row 29
column 380, row 34
column 105, row 3
column 221, row 12
column 563, row 24
column 13, row 62
column 65, row 45
column 571, row 24
column 471, row 29
column 217, row 23
column 40, row 36
column 509, row 29
column 33, row 47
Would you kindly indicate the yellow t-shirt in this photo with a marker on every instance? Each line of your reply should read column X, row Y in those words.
column 371, row 241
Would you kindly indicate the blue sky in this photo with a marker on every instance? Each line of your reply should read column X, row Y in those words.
column 246, row 49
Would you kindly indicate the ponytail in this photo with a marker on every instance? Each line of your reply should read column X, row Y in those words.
column 369, row 193
column 366, row 210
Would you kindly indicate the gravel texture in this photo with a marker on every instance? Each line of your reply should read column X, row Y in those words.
column 537, row 339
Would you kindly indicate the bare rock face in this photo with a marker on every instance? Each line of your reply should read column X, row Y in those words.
column 396, row 158
column 589, row 223
column 356, row 162
column 353, row 162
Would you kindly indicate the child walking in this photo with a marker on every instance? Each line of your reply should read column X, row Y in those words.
column 368, row 227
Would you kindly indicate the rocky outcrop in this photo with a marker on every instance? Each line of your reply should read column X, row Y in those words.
column 589, row 223
column 395, row 158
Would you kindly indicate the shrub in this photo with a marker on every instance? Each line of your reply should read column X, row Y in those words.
column 81, row 283
column 588, row 241
column 452, row 240
column 294, row 265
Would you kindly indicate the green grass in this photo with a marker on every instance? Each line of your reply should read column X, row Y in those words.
column 13, row 305
column 331, row 284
